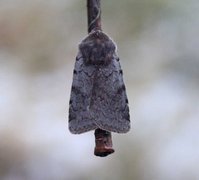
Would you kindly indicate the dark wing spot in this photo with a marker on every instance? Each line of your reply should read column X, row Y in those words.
column 121, row 89
column 121, row 72
column 75, row 90
column 74, row 72
column 71, row 116
column 127, row 117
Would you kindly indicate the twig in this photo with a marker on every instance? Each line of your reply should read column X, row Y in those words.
column 103, row 138
column 94, row 14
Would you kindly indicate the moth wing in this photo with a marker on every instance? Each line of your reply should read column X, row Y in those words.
column 80, row 120
column 109, row 105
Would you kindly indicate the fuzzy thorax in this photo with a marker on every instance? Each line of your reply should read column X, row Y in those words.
column 97, row 48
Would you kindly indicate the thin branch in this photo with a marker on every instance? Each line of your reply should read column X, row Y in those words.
column 94, row 14
column 103, row 139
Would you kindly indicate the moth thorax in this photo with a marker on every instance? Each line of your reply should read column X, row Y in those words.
column 100, row 55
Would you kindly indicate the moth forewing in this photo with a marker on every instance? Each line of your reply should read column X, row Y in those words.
column 98, row 95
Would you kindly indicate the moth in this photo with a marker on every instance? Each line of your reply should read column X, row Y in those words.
column 98, row 97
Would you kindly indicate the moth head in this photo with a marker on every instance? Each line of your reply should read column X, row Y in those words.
column 97, row 48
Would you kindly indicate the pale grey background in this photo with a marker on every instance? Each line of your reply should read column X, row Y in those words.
column 158, row 46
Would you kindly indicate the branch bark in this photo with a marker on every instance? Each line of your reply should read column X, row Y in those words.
column 103, row 139
column 94, row 14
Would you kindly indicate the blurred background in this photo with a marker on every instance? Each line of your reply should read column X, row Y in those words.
column 158, row 45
